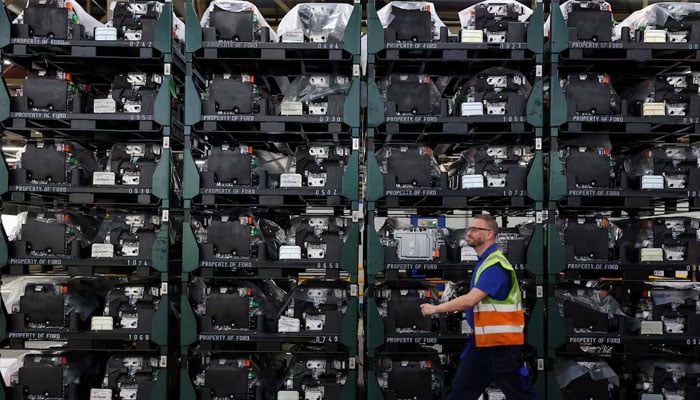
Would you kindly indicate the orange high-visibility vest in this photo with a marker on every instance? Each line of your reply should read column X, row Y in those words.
column 499, row 323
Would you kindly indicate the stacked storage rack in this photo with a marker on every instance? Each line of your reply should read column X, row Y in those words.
column 269, row 303
column 622, row 296
column 85, row 251
column 454, row 128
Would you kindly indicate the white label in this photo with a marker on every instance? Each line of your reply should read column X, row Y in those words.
column 101, row 324
column 290, row 252
column 286, row 324
column 104, row 178
column 353, row 290
column 290, row 180
column 352, row 364
column 164, row 288
column 163, row 363
column 356, row 70
column 293, row 36
column 105, row 33
column 292, row 108
column 538, row 70
column 166, row 216
column 100, row 394
column 472, row 181
column 472, row 36
column 540, row 292
column 102, row 250
column 659, row 272
column 356, row 143
column 538, row 144
column 287, row 395
column 681, row 274
column 166, row 142
column 104, row 106
column 472, row 109
column 540, row 364
column 166, row 69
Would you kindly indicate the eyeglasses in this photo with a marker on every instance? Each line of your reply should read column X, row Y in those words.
column 476, row 228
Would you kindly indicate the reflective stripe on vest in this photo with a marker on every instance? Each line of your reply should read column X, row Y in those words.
column 499, row 323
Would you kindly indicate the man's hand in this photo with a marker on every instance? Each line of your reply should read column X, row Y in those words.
column 428, row 309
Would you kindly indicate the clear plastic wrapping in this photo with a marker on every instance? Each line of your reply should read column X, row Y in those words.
column 570, row 370
column 237, row 6
column 310, row 88
column 672, row 16
column 319, row 22
column 592, row 298
column 386, row 15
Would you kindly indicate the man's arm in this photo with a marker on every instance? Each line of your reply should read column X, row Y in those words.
column 461, row 303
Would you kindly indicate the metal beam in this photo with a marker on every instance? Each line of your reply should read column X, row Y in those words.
column 281, row 4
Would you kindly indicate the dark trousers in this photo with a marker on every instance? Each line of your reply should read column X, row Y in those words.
column 481, row 366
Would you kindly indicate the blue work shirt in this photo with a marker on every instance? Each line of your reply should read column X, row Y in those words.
column 495, row 281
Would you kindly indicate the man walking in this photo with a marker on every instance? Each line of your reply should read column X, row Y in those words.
column 494, row 309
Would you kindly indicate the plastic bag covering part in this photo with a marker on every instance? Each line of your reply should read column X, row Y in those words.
column 312, row 88
column 590, row 94
column 493, row 15
column 672, row 16
column 568, row 370
column 83, row 18
column 238, row 7
column 409, row 93
column 503, row 91
column 54, row 162
column 666, row 160
column 47, row 301
column 592, row 298
column 416, row 27
column 410, row 165
column 593, row 6
column 671, row 378
column 587, row 161
column 320, row 22
column 589, row 238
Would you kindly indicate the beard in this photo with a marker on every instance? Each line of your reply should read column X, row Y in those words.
column 475, row 242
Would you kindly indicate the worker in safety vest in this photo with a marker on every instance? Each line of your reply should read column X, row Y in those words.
column 493, row 308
